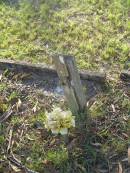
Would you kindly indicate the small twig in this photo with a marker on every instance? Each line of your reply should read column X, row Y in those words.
column 10, row 140
column 6, row 115
column 18, row 164
column 23, row 130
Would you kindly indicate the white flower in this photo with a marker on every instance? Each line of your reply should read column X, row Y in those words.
column 73, row 122
column 55, row 131
column 64, row 131
column 59, row 121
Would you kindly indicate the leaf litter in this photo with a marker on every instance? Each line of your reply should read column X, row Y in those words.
column 26, row 146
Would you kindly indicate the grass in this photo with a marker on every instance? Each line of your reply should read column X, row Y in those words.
column 97, row 33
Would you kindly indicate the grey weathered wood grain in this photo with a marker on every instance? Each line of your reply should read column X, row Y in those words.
column 93, row 76
column 70, row 80
column 76, row 82
column 63, row 74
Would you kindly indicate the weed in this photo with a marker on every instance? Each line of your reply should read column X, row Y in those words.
column 15, row 120
column 13, row 96
column 2, row 139
column 57, row 157
column 38, row 118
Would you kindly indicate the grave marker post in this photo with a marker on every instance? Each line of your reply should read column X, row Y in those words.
column 70, row 80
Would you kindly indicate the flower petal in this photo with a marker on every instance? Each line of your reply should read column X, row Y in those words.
column 54, row 131
column 64, row 131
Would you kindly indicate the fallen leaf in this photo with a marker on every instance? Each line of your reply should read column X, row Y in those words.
column 18, row 104
column 113, row 108
column 125, row 135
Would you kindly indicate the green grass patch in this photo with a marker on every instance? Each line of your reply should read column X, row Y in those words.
column 95, row 32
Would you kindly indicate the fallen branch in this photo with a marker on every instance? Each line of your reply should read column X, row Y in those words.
column 6, row 115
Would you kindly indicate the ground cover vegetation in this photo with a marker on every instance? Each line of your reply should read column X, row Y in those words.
column 97, row 33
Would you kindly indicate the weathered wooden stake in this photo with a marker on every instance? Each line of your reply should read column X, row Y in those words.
column 70, row 80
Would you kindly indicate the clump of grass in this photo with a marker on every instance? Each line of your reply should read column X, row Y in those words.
column 15, row 120
column 13, row 95
column 35, row 160
column 97, row 110
column 38, row 118
column 2, row 139
column 57, row 157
